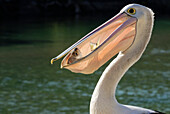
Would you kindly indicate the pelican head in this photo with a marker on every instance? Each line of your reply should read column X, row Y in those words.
column 127, row 32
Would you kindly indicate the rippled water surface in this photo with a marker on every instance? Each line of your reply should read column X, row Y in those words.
column 29, row 84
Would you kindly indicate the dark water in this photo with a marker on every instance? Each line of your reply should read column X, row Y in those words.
column 29, row 84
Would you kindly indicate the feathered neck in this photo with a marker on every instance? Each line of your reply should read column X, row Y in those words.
column 103, row 99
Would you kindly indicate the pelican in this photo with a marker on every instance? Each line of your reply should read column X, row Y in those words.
column 127, row 34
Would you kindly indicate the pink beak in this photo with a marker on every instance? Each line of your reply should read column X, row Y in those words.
column 110, row 38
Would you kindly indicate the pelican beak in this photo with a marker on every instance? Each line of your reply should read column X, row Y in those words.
column 96, row 48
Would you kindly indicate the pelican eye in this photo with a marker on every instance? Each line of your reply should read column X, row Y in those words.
column 131, row 11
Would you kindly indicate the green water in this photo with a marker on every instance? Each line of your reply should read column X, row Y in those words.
column 29, row 84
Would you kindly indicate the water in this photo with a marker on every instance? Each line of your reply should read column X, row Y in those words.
column 29, row 84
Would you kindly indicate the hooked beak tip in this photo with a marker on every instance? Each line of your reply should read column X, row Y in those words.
column 53, row 59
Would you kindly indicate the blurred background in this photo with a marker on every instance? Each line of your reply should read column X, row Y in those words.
column 34, row 31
